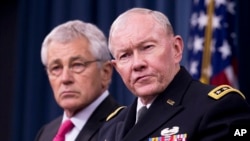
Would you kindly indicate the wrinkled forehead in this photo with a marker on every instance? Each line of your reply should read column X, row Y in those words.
column 134, row 22
column 134, row 28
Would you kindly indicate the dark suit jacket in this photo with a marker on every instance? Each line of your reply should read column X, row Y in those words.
column 91, row 128
column 184, row 104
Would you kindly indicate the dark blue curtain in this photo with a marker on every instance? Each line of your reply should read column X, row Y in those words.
column 33, row 103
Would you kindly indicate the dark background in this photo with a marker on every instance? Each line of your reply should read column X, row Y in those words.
column 26, row 100
column 8, row 42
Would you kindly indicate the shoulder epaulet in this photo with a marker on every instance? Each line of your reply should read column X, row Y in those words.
column 115, row 113
column 222, row 90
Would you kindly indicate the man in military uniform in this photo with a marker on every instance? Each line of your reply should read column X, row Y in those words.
column 147, row 56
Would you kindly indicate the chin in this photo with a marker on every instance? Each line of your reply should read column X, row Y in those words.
column 145, row 92
column 149, row 89
column 68, row 104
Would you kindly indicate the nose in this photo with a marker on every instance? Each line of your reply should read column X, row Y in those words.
column 139, row 62
column 66, row 76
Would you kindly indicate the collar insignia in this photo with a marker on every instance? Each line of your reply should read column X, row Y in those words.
column 170, row 102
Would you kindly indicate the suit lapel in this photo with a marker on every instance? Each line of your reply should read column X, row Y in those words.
column 97, row 119
column 49, row 131
column 89, row 130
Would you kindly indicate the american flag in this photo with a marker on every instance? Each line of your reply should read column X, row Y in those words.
column 212, row 42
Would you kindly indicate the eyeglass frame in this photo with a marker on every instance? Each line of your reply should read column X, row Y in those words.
column 84, row 65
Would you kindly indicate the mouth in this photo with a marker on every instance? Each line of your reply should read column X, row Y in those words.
column 65, row 94
column 142, row 79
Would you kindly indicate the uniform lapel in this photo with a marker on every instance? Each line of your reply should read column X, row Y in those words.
column 129, row 119
column 151, row 121
column 165, row 107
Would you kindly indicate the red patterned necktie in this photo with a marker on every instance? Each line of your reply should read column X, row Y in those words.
column 64, row 128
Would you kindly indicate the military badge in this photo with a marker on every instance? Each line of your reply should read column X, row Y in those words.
column 170, row 134
column 177, row 137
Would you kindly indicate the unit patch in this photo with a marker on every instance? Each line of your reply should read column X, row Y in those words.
column 222, row 90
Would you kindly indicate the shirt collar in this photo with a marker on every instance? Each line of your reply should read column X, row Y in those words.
column 140, row 104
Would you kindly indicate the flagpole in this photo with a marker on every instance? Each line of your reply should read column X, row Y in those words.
column 206, row 58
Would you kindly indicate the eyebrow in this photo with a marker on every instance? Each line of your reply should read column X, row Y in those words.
column 58, row 61
column 76, row 58
column 138, row 44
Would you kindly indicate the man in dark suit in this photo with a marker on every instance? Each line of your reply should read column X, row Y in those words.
column 77, row 62
column 178, row 108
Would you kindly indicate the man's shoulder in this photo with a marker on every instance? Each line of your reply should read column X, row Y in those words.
column 110, row 129
column 213, row 92
column 115, row 113
column 107, row 106
column 223, row 90
column 54, row 123
column 49, row 130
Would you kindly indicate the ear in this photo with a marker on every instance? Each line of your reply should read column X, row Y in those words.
column 114, row 63
column 106, row 73
column 178, row 47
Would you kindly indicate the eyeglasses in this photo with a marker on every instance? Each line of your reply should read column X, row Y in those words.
column 76, row 67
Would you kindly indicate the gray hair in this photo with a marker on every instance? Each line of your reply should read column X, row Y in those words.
column 158, row 16
column 70, row 30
